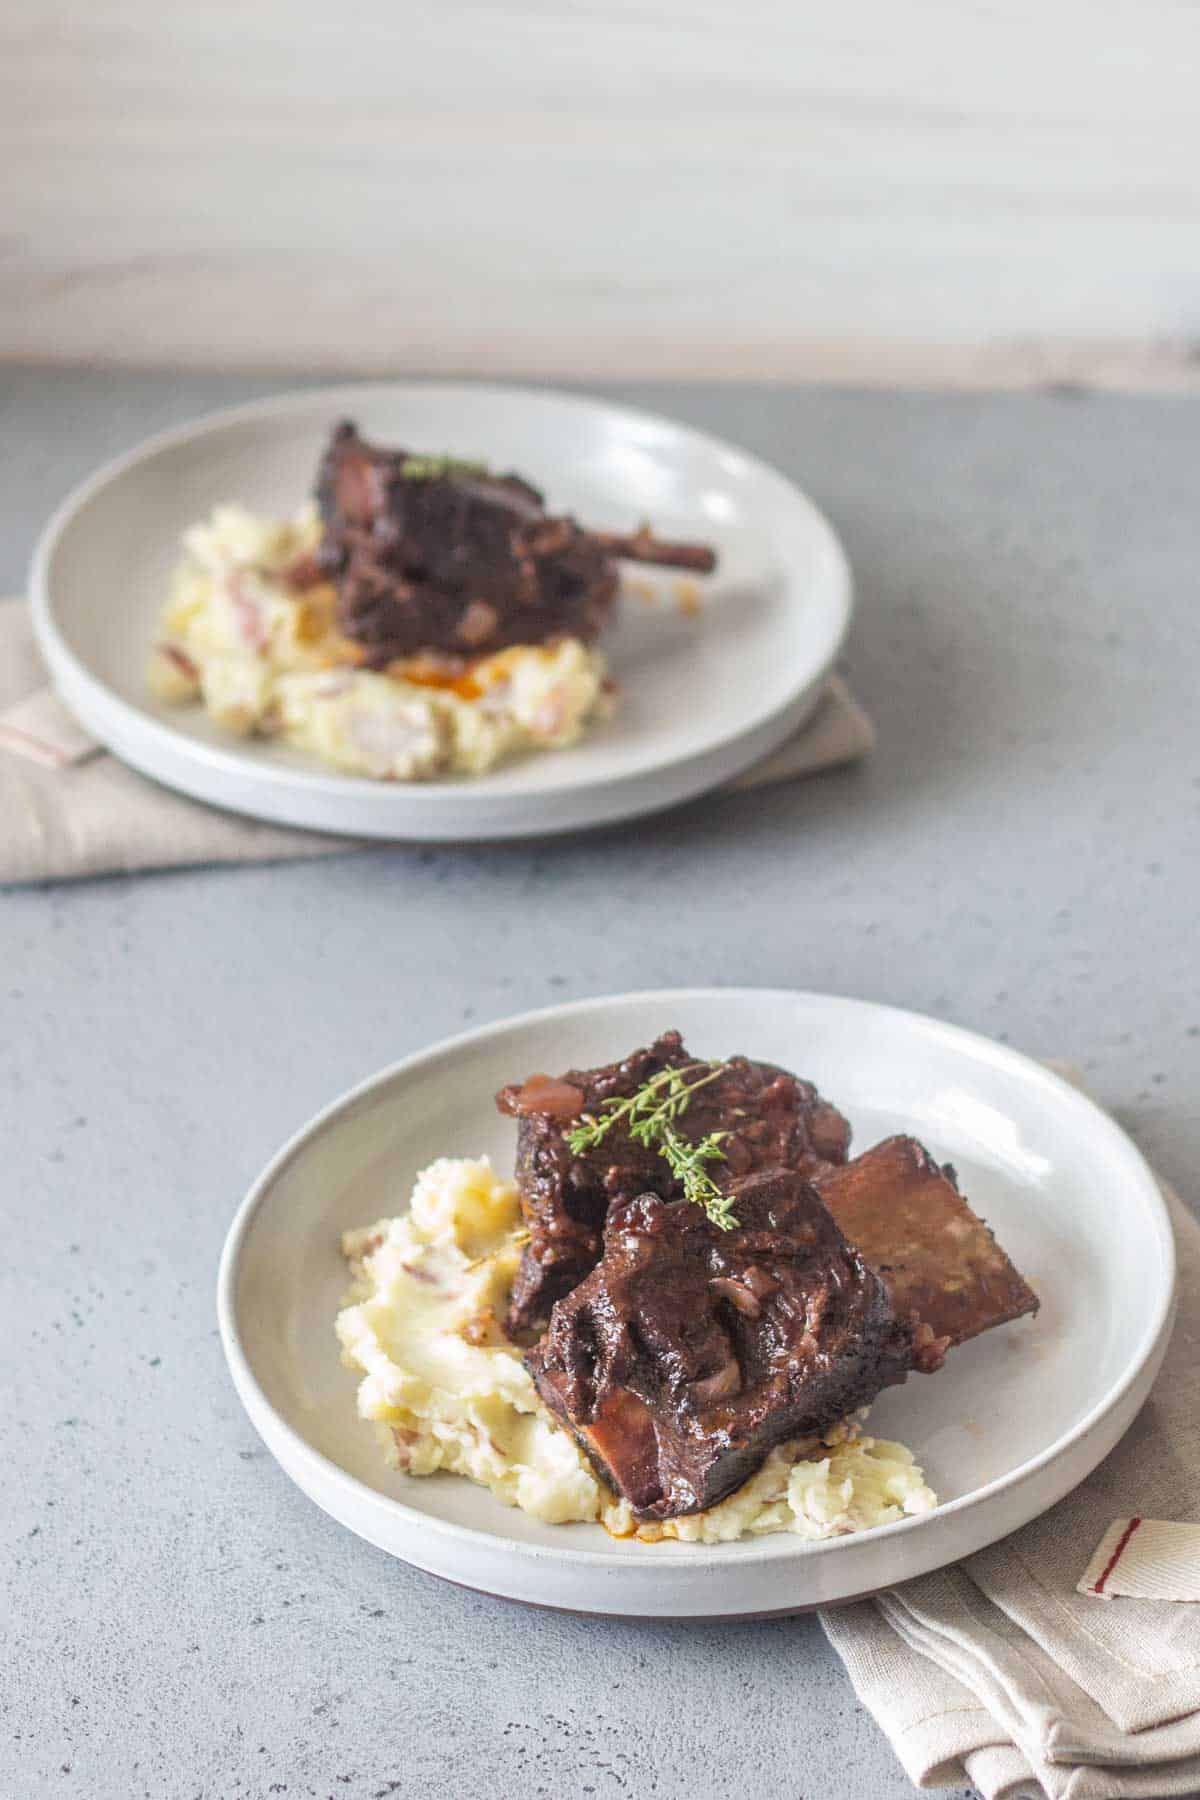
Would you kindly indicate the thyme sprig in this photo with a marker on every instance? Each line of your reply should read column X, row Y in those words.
column 439, row 468
column 686, row 1161
column 650, row 1116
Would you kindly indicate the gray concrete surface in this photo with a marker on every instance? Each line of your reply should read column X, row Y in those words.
column 1021, row 857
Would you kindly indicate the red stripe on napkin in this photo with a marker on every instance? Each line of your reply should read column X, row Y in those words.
column 1118, row 1553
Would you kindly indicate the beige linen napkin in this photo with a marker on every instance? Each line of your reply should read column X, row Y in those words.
column 999, row 1672
column 69, row 809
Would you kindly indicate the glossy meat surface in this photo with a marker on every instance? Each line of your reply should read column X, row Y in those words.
column 689, row 1352
column 941, row 1263
column 433, row 555
column 773, row 1120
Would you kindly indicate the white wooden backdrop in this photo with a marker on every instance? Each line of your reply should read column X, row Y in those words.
column 941, row 189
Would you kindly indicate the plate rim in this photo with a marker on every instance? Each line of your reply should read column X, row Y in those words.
column 115, row 719
column 739, row 1553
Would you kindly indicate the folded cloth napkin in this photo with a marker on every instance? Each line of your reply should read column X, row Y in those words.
column 999, row 1672
column 68, row 809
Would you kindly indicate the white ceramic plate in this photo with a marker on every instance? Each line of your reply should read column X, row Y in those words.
column 704, row 696
column 1011, row 1424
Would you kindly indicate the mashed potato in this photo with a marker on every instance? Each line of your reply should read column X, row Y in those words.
column 265, row 657
column 445, row 1389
